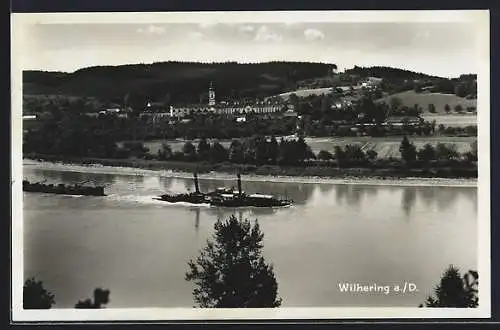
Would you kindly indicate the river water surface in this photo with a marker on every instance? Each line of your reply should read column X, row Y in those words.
column 138, row 248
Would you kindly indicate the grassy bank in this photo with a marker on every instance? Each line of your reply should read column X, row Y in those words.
column 381, row 170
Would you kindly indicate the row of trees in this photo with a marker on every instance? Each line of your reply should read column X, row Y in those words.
column 398, row 109
column 261, row 151
column 458, row 108
column 231, row 272
column 469, row 130
column 257, row 151
column 442, row 152
column 36, row 296
column 350, row 154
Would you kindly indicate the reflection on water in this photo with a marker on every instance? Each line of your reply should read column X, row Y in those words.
column 325, row 188
column 409, row 199
column 197, row 218
column 368, row 233
column 353, row 194
column 341, row 191
column 445, row 197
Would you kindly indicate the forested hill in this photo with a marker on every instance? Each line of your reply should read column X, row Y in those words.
column 175, row 81
column 387, row 73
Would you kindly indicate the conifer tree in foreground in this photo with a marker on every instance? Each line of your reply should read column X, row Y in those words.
column 455, row 290
column 231, row 272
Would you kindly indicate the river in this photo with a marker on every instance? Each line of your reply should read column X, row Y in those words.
column 138, row 248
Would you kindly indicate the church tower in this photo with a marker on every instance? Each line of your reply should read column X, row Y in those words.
column 211, row 95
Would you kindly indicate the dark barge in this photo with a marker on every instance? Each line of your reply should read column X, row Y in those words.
column 77, row 189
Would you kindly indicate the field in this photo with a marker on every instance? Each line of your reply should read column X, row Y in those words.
column 410, row 98
column 452, row 120
column 307, row 92
column 388, row 146
column 385, row 146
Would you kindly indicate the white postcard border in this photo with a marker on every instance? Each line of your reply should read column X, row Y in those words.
column 481, row 18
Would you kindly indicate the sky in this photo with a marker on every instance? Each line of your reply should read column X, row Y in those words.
column 446, row 49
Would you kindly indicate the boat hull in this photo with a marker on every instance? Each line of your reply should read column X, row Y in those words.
column 183, row 198
column 249, row 202
column 63, row 189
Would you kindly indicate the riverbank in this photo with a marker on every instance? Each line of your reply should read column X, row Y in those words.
column 226, row 171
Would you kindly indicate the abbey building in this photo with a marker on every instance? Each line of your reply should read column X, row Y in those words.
column 228, row 108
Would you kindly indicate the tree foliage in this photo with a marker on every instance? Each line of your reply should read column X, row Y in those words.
column 231, row 272
column 432, row 108
column 408, row 150
column 455, row 290
column 101, row 298
column 165, row 152
column 218, row 153
column 446, row 152
column 396, row 102
column 189, row 151
column 324, row 155
column 35, row 296
column 427, row 153
column 203, row 149
column 371, row 154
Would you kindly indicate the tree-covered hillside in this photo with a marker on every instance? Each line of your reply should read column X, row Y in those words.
column 387, row 73
column 179, row 82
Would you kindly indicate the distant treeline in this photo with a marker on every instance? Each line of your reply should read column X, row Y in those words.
column 387, row 73
column 179, row 82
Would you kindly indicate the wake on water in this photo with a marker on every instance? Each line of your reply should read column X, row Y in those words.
column 150, row 200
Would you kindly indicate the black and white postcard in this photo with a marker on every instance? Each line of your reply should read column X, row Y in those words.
column 250, row 165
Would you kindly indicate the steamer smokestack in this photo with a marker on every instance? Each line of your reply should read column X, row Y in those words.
column 196, row 184
column 239, row 183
